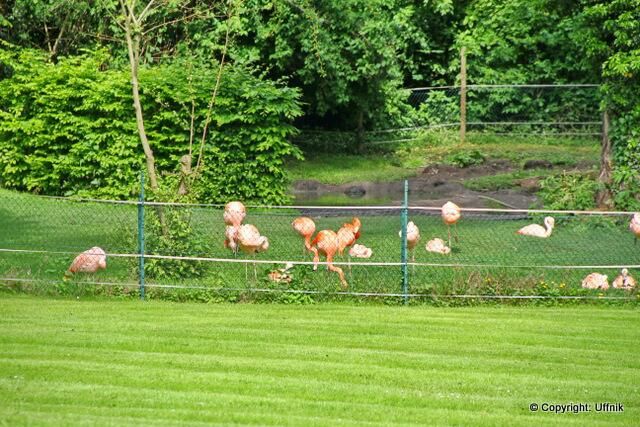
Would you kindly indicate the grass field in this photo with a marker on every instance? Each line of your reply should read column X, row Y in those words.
column 105, row 362
column 32, row 223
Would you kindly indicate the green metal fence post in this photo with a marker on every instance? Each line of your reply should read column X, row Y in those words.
column 403, row 249
column 141, row 235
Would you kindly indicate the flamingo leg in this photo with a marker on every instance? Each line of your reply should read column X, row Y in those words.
column 413, row 259
column 338, row 270
column 449, row 233
column 349, row 264
column 255, row 271
column 456, row 230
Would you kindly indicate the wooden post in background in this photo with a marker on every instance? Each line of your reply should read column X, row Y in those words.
column 604, row 197
column 463, row 93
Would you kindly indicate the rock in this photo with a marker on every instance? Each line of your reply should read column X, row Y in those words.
column 530, row 185
column 537, row 164
column 355, row 191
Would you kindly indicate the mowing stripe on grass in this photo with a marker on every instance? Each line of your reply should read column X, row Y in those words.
column 125, row 362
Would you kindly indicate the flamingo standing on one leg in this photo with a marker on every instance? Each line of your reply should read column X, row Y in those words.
column 413, row 237
column 305, row 227
column 450, row 216
column 634, row 226
column 536, row 230
column 250, row 241
column 88, row 261
column 328, row 243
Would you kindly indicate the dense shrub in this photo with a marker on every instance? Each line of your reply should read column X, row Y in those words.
column 571, row 191
column 69, row 128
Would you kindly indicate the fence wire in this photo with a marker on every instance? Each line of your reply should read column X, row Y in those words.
column 558, row 110
column 186, row 257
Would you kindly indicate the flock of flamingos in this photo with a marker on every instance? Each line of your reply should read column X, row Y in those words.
column 247, row 238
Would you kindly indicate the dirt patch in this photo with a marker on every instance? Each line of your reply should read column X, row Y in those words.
column 435, row 185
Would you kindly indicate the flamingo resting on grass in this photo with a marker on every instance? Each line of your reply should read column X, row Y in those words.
column 327, row 243
column 305, row 227
column 596, row 281
column 360, row 251
column 250, row 241
column 89, row 261
column 634, row 226
column 624, row 281
column 536, row 230
column 450, row 216
column 437, row 245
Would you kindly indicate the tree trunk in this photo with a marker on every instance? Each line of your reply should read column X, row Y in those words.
column 603, row 198
column 360, row 132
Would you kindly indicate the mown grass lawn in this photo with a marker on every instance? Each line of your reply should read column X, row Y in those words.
column 106, row 362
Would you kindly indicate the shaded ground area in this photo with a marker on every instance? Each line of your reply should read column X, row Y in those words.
column 434, row 185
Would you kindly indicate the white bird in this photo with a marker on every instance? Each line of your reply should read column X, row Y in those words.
column 450, row 216
column 413, row 237
column 536, row 230
column 89, row 261
column 437, row 245
column 596, row 281
column 634, row 226
column 281, row 275
column 250, row 241
column 624, row 281
column 360, row 251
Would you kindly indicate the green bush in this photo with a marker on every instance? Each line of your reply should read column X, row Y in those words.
column 569, row 191
column 69, row 128
column 464, row 159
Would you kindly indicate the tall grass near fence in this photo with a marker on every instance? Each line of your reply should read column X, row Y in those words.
column 41, row 236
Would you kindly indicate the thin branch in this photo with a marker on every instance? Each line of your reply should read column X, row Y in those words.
column 46, row 33
column 146, row 10
column 175, row 21
column 57, row 42
column 213, row 97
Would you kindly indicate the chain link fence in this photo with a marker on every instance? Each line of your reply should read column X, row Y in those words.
column 184, row 256
column 536, row 110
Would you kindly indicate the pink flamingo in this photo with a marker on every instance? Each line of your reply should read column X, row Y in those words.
column 624, row 281
column 536, row 230
column 450, row 216
column 413, row 237
column 250, row 241
column 233, row 215
column 596, row 281
column 89, row 261
column 634, row 226
column 328, row 243
column 437, row 245
column 305, row 227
